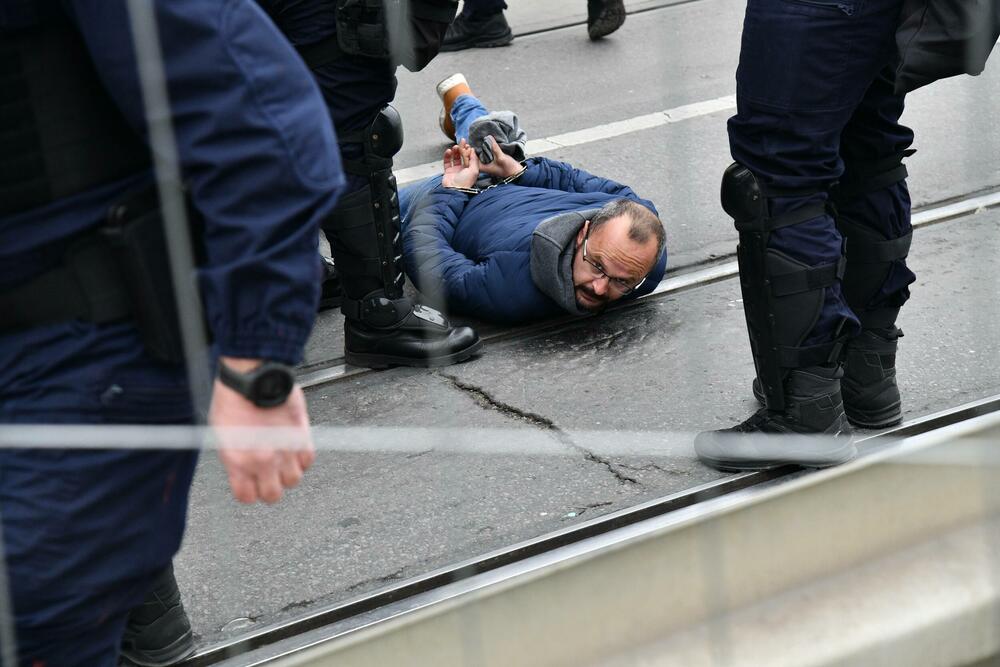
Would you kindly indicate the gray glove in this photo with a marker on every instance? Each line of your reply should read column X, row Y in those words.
column 502, row 126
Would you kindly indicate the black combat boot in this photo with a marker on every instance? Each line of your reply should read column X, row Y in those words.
column 158, row 632
column 332, row 294
column 871, row 397
column 604, row 17
column 380, row 332
column 813, row 407
column 382, row 327
column 475, row 31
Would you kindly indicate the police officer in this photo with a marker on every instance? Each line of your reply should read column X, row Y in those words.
column 353, row 48
column 87, row 533
column 819, row 198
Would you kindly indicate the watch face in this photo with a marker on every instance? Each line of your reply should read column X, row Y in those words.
column 272, row 387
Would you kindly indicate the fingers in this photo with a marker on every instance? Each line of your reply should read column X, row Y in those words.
column 306, row 458
column 243, row 487
column 265, row 475
column 269, row 485
column 290, row 473
column 469, row 157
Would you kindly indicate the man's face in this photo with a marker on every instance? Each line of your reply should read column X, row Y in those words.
column 609, row 249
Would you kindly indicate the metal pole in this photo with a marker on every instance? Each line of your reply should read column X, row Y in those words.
column 169, row 184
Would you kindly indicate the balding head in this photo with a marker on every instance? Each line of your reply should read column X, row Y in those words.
column 624, row 241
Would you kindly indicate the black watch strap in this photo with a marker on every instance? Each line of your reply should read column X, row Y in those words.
column 266, row 386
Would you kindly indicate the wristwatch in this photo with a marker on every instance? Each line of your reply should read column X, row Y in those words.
column 266, row 386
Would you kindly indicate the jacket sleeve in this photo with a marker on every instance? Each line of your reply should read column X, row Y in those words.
column 434, row 266
column 545, row 173
column 257, row 153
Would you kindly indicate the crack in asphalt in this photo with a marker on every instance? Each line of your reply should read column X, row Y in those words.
column 633, row 335
column 417, row 455
column 612, row 468
column 297, row 605
column 580, row 509
column 385, row 579
column 650, row 466
column 489, row 402
column 485, row 400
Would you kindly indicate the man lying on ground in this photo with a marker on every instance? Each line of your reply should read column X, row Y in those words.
column 511, row 241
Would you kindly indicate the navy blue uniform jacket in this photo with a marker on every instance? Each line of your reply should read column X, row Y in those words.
column 260, row 161
column 472, row 252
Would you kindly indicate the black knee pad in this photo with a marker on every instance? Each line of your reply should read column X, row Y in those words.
column 364, row 230
column 782, row 297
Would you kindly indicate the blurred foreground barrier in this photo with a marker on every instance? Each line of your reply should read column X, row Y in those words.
column 891, row 560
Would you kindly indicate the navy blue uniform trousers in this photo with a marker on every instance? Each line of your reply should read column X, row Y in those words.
column 86, row 532
column 480, row 8
column 354, row 88
column 815, row 95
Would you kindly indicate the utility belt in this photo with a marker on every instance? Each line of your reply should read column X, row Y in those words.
column 117, row 272
column 405, row 32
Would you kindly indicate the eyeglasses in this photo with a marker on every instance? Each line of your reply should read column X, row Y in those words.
column 620, row 286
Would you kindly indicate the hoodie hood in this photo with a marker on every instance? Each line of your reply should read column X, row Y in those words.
column 553, row 246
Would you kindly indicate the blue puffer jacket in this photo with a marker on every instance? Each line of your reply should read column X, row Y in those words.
column 471, row 254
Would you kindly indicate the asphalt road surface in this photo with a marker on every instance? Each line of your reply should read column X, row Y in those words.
column 589, row 416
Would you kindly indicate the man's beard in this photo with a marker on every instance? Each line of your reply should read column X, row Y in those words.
column 596, row 302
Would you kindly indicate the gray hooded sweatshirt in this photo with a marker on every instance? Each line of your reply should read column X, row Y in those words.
column 553, row 246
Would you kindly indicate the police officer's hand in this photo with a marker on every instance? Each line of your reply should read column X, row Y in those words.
column 461, row 166
column 262, row 471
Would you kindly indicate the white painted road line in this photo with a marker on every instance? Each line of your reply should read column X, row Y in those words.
column 596, row 133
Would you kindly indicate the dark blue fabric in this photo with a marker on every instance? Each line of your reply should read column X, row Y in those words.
column 482, row 8
column 254, row 117
column 353, row 88
column 85, row 532
column 472, row 254
column 813, row 91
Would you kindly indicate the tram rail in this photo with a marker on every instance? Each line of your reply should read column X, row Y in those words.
column 372, row 605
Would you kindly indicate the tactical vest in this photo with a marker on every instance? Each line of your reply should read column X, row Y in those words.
column 60, row 132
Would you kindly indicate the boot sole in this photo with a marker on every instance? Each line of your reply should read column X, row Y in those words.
column 846, row 454
column 891, row 416
column 372, row 360
column 176, row 651
column 446, row 84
